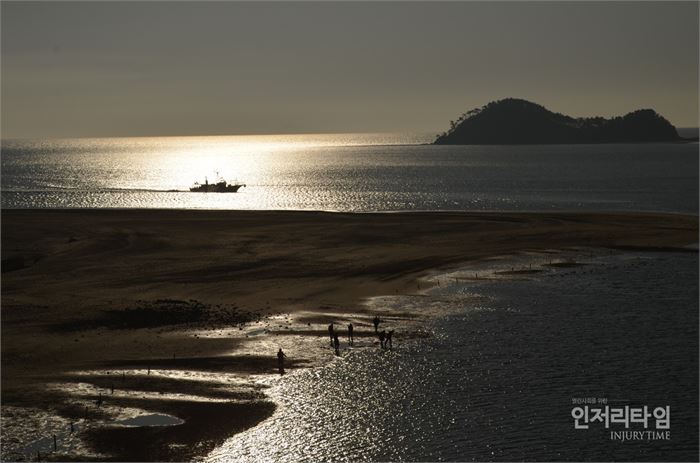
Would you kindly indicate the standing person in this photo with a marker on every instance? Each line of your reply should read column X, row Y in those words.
column 336, row 343
column 389, row 335
column 330, row 332
column 280, row 361
column 352, row 340
column 382, row 337
column 376, row 323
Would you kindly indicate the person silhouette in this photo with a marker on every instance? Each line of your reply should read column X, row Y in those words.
column 280, row 361
column 382, row 337
column 330, row 332
column 352, row 340
column 376, row 323
column 336, row 343
column 389, row 335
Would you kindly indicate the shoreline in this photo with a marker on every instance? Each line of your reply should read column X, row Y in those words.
column 86, row 286
column 640, row 212
column 299, row 395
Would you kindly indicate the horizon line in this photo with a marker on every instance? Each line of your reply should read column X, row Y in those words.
column 221, row 135
column 255, row 134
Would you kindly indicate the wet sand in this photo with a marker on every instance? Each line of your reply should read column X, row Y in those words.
column 88, row 298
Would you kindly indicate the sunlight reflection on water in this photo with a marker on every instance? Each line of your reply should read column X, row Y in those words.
column 348, row 172
column 496, row 380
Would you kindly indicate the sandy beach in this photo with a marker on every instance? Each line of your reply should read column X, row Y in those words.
column 107, row 312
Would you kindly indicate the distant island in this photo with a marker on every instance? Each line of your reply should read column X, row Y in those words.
column 514, row 121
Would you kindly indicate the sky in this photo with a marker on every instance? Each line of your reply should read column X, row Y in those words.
column 183, row 68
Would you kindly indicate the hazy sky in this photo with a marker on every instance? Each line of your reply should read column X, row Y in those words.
column 180, row 68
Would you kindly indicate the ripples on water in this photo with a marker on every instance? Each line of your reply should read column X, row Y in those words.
column 497, row 379
column 348, row 172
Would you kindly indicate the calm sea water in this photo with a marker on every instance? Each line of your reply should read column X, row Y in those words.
column 349, row 172
column 496, row 380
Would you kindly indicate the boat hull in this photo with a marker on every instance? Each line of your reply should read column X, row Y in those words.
column 215, row 189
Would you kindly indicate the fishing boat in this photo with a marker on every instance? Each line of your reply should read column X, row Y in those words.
column 221, row 186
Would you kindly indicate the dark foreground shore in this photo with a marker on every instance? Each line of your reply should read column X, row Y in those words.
column 108, row 313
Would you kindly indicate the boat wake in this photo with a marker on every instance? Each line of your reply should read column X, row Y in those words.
column 90, row 190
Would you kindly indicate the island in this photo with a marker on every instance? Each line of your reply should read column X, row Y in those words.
column 513, row 121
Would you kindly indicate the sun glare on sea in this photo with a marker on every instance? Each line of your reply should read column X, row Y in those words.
column 181, row 161
column 158, row 165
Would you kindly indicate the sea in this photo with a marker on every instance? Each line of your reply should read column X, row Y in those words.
column 502, row 371
column 347, row 172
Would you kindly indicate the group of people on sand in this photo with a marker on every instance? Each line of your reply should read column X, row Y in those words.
column 385, row 340
column 385, row 337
